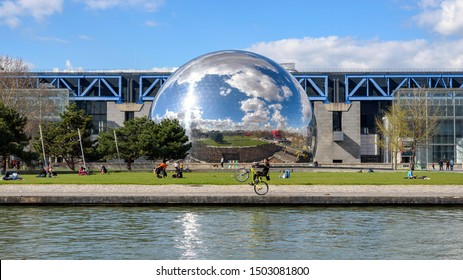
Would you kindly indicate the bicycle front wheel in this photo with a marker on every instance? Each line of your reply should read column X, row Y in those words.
column 261, row 188
column 242, row 174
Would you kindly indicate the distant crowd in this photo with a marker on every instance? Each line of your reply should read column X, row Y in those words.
column 448, row 165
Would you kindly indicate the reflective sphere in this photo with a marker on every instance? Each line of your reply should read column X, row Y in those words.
column 240, row 106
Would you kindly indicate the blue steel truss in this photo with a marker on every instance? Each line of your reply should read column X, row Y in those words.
column 108, row 87
column 149, row 85
column 86, row 87
column 316, row 86
column 384, row 87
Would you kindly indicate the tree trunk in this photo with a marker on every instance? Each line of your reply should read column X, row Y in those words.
column 129, row 164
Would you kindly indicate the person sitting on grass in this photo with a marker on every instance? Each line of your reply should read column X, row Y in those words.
column 82, row 171
column 103, row 170
column 178, row 170
column 51, row 173
column 410, row 174
column 43, row 173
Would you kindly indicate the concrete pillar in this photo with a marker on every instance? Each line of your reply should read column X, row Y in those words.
column 145, row 110
column 115, row 118
column 346, row 150
column 116, row 112
column 324, row 133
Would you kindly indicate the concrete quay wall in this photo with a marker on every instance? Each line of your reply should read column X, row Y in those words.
column 230, row 200
column 74, row 195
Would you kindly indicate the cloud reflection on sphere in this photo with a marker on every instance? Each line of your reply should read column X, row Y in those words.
column 242, row 96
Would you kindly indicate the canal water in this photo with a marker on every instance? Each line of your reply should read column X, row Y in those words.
column 231, row 233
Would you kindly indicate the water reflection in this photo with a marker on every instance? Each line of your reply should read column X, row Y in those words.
column 230, row 233
column 190, row 240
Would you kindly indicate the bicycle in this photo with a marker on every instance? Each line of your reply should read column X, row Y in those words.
column 259, row 185
column 242, row 174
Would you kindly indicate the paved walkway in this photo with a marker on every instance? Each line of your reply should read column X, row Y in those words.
column 244, row 194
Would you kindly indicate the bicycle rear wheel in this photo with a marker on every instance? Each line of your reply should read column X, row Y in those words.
column 242, row 174
column 261, row 188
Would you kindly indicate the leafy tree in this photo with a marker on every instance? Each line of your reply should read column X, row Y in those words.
column 217, row 136
column 13, row 140
column 141, row 137
column 132, row 140
column 61, row 139
column 170, row 141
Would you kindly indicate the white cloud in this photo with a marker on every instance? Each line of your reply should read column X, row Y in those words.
column 12, row 11
column 51, row 39
column 277, row 117
column 264, row 87
column 255, row 111
column 164, row 69
column 349, row 53
column 147, row 5
column 443, row 17
column 151, row 23
column 86, row 37
column 225, row 91
column 68, row 67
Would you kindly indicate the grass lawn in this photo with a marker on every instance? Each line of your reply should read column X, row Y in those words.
column 234, row 141
column 227, row 178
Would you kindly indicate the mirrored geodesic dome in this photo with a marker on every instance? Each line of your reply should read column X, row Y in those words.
column 240, row 106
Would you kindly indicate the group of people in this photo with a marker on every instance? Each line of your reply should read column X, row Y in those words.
column 47, row 171
column 83, row 171
column 160, row 170
column 448, row 165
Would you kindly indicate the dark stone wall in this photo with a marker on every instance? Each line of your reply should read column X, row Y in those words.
column 242, row 154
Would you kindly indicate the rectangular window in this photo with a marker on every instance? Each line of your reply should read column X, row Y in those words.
column 98, row 111
column 337, row 121
column 129, row 116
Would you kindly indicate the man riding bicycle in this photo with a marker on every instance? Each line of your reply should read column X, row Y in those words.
column 264, row 171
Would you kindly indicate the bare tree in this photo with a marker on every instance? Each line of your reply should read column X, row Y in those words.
column 13, row 76
column 410, row 118
column 392, row 127
column 18, row 90
column 422, row 120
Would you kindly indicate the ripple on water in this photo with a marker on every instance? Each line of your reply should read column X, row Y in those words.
column 231, row 233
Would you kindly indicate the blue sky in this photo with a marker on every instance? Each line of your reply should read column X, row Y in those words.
column 164, row 34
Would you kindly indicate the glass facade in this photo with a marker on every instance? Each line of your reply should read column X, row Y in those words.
column 447, row 143
column 98, row 111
